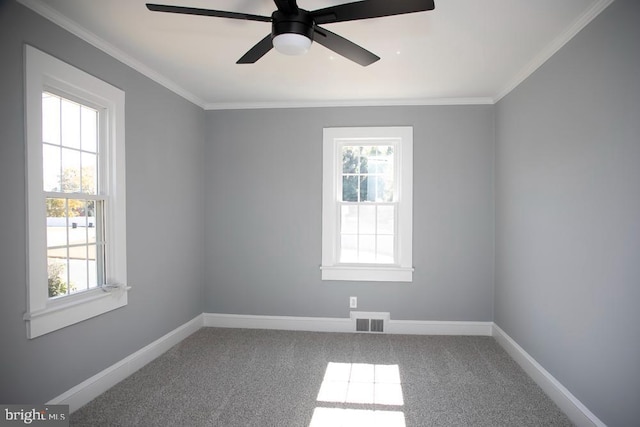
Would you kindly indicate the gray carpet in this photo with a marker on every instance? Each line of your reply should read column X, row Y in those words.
column 241, row 377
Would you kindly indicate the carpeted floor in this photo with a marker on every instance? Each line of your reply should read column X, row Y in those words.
column 264, row 378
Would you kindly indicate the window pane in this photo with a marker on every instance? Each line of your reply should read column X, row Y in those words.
column 78, row 273
column 91, row 221
column 365, row 190
column 385, row 249
column 367, row 219
column 349, row 219
column 59, row 254
column 76, row 222
column 50, row 118
column 389, row 165
column 349, row 160
column 57, row 275
column 89, row 129
column 89, row 184
column 383, row 161
column 56, row 222
column 367, row 249
column 50, row 167
column 70, row 179
column 374, row 188
column 364, row 161
column 93, row 267
column 384, row 187
column 373, row 192
column 386, row 219
column 57, row 237
column 375, row 166
column 350, row 188
column 70, row 124
column 348, row 248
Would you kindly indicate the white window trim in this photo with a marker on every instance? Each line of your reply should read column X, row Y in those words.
column 331, row 268
column 44, row 72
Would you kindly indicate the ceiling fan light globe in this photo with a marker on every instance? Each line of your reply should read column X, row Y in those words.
column 291, row 44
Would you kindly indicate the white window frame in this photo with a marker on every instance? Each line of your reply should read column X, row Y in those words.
column 46, row 73
column 332, row 268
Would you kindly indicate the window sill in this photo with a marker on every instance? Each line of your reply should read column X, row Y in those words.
column 367, row 273
column 73, row 309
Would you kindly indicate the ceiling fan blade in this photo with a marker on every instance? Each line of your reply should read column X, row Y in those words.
column 369, row 9
column 288, row 7
column 257, row 51
column 206, row 12
column 344, row 47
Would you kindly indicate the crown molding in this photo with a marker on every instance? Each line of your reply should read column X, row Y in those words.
column 74, row 28
column 349, row 103
column 553, row 47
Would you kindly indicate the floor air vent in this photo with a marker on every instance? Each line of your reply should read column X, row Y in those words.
column 362, row 325
column 377, row 325
column 369, row 321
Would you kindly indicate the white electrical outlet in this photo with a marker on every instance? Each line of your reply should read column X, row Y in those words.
column 353, row 302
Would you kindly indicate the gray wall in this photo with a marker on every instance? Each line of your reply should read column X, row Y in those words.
column 263, row 179
column 164, row 135
column 568, row 215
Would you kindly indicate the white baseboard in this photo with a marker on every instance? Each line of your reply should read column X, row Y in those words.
column 568, row 403
column 421, row 327
column 287, row 323
column 91, row 388
column 331, row 324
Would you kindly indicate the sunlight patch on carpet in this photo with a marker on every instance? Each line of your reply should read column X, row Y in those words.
column 339, row 417
column 351, row 384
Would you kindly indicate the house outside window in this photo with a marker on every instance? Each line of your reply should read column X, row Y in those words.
column 367, row 204
column 76, row 195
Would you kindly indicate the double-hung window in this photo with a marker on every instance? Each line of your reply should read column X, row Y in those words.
column 367, row 204
column 76, row 195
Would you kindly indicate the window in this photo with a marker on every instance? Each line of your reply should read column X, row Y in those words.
column 367, row 204
column 76, row 195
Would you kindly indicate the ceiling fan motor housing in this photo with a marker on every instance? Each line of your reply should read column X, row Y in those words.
column 296, row 23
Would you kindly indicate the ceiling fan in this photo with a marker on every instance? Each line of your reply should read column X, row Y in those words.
column 293, row 29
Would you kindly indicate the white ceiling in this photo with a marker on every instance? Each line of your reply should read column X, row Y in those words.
column 464, row 51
